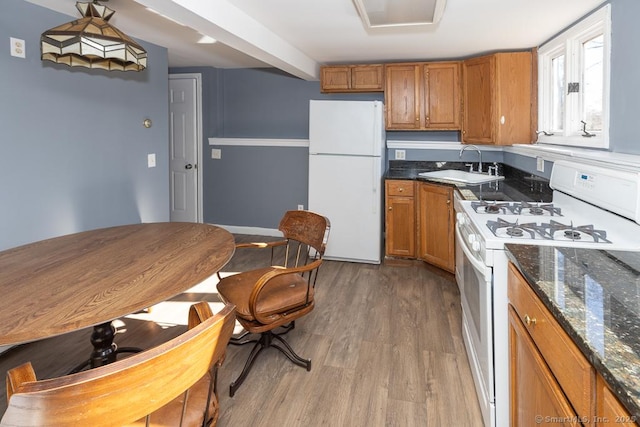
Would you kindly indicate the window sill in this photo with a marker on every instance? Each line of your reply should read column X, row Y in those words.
column 630, row 162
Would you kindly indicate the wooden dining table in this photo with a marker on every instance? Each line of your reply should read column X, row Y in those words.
column 91, row 278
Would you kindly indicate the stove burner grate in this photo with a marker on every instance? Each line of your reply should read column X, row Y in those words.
column 573, row 233
column 513, row 229
column 536, row 209
column 516, row 208
column 484, row 206
column 552, row 230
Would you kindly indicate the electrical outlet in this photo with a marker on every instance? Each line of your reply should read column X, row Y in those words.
column 401, row 155
column 216, row 153
column 17, row 47
column 540, row 164
column 300, row 207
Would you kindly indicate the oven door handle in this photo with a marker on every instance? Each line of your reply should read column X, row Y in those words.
column 477, row 263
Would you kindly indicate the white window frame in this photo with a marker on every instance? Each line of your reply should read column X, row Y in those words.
column 570, row 43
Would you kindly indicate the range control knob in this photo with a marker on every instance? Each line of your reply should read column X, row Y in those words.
column 473, row 238
column 475, row 245
column 460, row 218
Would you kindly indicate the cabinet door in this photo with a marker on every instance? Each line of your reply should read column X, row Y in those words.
column 514, row 110
column 478, row 81
column 400, row 231
column 435, row 225
column 335, row 79
column 402, row 96
column 367, row 78
column 442, row 95
column 400, row 222
column 536, row 397
column 610, row 411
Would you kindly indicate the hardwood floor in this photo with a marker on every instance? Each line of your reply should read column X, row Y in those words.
column 385, row 343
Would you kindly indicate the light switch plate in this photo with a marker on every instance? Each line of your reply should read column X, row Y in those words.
column 151, row 160
column 216, row 153
column 401, row 155
column 540, row 164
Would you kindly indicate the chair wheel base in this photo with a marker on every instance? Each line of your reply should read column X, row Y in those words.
column 266, row 340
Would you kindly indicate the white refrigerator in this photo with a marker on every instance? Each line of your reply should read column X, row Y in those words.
column 346, row 163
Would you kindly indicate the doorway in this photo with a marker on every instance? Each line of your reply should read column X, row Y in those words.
column 185, row 145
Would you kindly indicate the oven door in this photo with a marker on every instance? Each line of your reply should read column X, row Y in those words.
column 475, row 282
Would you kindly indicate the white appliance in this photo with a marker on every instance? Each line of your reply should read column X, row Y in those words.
column 576, row 218
column 346, row 162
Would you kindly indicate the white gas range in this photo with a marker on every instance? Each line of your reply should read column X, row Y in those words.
column 593, row 207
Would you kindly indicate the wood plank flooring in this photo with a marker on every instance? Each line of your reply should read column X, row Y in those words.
column 385, row 343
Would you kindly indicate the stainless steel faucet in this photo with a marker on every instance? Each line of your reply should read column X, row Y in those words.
column 479, row 156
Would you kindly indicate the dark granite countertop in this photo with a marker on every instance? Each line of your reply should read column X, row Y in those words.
column 595, row 296
column 517, row 185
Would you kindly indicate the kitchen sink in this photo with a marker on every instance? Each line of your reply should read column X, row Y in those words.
column 461, row 176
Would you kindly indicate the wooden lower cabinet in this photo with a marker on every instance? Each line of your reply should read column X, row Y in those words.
column 551, row 381
column 436, row 225
column 536, row 396
column 419, row 222
column 400, row 214
column 610, row 411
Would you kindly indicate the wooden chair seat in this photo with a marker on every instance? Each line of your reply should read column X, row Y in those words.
column 280, row 295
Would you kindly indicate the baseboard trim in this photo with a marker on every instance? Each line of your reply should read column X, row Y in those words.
column 258, row 231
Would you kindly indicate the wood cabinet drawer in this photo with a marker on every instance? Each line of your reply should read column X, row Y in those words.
column 400, row 188
column 571, row 369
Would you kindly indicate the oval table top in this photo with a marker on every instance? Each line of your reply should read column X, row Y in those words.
column 79, row 280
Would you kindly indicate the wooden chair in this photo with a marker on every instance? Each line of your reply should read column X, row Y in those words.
column 169, row 385
column 275, row 296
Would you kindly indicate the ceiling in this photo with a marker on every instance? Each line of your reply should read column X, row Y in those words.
column 298, row 36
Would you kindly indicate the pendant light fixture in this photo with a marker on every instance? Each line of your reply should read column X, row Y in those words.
column 92, row 42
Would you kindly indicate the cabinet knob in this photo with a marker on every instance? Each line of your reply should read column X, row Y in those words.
column 448, row 202
column 400, row 189
column 390, row 208
column 529, row 320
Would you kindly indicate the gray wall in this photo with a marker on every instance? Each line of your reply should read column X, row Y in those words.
column 74, row 151
column 625, row 85
column 254, row 186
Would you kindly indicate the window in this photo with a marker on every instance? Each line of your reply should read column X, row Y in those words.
column 574, row 84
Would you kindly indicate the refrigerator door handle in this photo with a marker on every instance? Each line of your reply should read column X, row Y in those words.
column 376, row 185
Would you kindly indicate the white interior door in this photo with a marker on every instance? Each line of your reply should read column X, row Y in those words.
column 185, row 147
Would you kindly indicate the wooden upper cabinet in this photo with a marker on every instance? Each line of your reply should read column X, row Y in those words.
column 352, row 78
column 442, row 95
column 478, row 89
column 423, row 96
column 498, row 98
column 402, row 96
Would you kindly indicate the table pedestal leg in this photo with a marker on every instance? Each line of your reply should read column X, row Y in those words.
column 104, row 349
